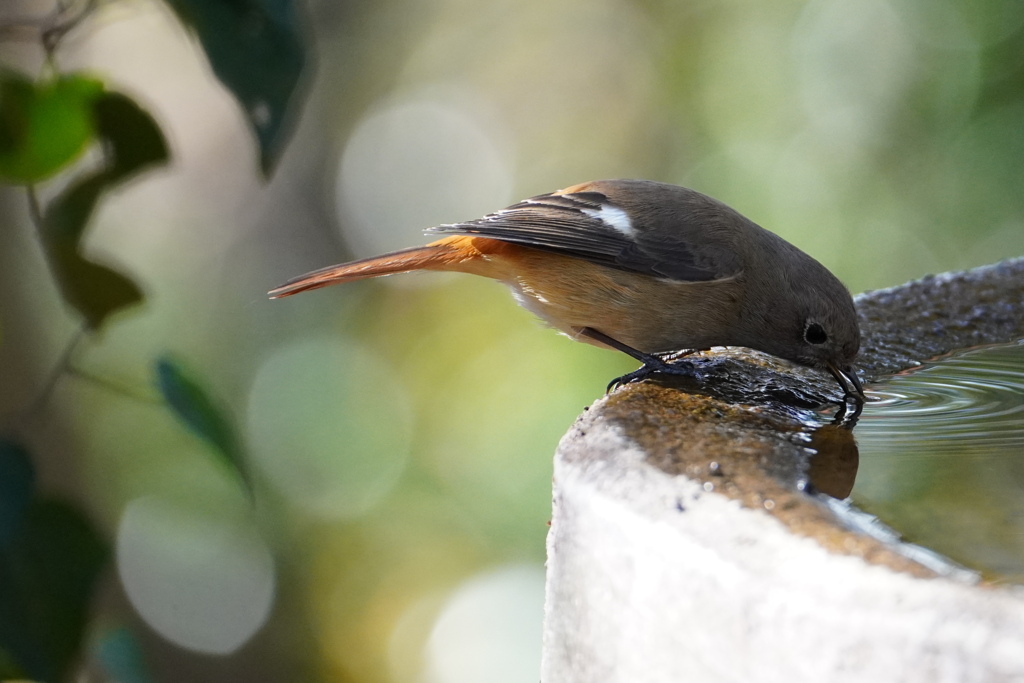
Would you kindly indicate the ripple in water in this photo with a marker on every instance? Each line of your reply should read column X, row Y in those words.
column 942, row 458
column 973, row 401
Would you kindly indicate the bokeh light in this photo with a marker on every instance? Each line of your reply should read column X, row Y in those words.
column 418, row 161
column 853, row 65
column 329, row 424
column 489, row 629
column 203, row 581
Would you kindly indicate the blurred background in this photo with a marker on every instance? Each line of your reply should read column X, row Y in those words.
column 399, row 433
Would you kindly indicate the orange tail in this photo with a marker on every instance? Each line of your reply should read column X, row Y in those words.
column 446, row 254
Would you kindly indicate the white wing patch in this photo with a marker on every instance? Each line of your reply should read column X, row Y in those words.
column 613, row 217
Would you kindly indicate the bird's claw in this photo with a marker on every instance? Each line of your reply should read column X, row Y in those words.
column 653, row 366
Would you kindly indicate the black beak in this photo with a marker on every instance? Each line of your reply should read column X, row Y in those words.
column 849, row 381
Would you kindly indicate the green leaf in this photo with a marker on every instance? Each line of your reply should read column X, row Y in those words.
column 17, row 479
column 256, row 49
column 198, row 411
column 133, row 142
column 43, row 126
column 47, row 579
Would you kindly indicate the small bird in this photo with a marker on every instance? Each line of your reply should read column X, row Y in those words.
column 645, row 268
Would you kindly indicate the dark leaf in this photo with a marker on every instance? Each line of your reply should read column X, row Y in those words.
column 17, row 479
column 68, row 214
column 47, row 579
column 256, row 49
column 132, row 141
column 43, row 126
column 94, row 290
column 134, row 137
column 194, row 407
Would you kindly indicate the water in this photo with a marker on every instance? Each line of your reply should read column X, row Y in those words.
column 942, row 458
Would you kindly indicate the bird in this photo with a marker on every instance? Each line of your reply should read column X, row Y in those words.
column 646, row 268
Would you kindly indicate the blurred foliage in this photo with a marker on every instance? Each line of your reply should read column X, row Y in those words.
column 17, row 480
column 256, row 48
column 131, row 142
column 398, row 434
column 81, row 113
column 50, row 559
column 198, row 411
column 50, row 555
column 43, row 126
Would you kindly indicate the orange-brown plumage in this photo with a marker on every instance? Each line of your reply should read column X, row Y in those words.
column 644, row 268
column 458, row 253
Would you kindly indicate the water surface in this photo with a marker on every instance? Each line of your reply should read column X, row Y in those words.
column 942, row 458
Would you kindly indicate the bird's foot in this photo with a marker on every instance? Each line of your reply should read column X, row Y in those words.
column 653, row 365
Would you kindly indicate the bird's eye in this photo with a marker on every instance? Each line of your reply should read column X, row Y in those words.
column 814, row 333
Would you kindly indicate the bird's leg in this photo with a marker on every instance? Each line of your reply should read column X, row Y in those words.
column 651, row 363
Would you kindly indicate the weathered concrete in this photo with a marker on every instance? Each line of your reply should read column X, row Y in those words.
column 692, row 538
column 653, row 579
column 927, row 318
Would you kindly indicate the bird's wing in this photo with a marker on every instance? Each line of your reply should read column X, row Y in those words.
column 587, row 225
